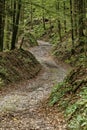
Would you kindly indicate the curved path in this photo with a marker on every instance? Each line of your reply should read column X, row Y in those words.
column 23, row 108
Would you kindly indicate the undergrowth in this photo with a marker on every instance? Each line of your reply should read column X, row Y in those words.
column 71, row 96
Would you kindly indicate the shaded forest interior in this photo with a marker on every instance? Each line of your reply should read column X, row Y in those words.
column 64, row 25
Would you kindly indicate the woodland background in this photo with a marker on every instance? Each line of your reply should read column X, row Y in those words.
column 64, row 24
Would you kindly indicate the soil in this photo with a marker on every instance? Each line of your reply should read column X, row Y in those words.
column 25, row 106
column 17, row 65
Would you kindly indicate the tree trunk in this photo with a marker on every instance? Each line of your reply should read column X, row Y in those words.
column 43, row 16
column 2, row 15
column 75, row 15
column 16, row 16
column 72, row 23
column 58, row 20
column 80, row 22
column 64, row 16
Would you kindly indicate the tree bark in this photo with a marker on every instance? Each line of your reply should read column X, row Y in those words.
column 72, row 23
column 16, row 16
column 2, row 21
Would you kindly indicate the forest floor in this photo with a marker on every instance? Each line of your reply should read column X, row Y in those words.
column 25, row 107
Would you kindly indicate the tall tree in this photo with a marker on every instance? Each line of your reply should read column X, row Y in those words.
column 43, row 15
column 16, row 16
column 72, row 22
column 2, row 15
column 58, row 19
column 81, row 19
column 75, row 17
column 64, row 6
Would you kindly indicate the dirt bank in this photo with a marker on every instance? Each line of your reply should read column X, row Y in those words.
column 17, row 65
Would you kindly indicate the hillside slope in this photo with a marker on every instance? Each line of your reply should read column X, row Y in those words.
column 17, row 65
column 71, row 94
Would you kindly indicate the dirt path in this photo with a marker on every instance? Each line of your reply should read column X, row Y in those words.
column 23, row 108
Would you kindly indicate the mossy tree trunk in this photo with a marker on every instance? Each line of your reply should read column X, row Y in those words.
column 80, row 22
column 2, row 19
column 64, row 8
column 16, row 16
column 43, row 15
column 58, row 20
column 72, row 22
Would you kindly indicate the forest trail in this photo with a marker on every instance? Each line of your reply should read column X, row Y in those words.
column 23, row 108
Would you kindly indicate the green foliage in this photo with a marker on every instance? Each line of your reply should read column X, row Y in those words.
column 1, row 83
column 36, row 10
column 32, row 40
column 80, row 59
column 3, row 74
column 73, row 103
column 78, row 112
column 56, row 95
column 27, row 61
column 38, row 31
column 3, row 71
column 58, row 92
column 28, row 40
column 54, row 38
